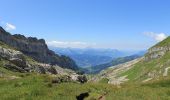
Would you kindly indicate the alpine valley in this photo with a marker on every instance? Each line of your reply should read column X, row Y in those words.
column 30, row 71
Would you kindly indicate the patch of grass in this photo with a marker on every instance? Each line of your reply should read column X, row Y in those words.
column 104, row 80
column 38, row 87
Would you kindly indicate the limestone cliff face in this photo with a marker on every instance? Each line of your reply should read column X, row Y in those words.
column 156, row 52
column 36, row 48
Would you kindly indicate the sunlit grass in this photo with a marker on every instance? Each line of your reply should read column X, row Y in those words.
column 39, row 87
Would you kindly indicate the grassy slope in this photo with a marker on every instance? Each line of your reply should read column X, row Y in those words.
column 31, row 86
column 39, row 87
column 142, row 68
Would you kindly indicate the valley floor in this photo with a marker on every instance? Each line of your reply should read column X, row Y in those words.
column 40, row 87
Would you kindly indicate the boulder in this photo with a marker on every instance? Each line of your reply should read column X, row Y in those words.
column 82, row 79
column 52, row 70
column 16, row 57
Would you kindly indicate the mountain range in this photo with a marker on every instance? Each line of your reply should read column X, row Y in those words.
column 117, row 61
column 88, row 57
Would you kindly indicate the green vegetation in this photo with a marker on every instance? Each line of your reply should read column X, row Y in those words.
column 40, row 87
column 142, row 68
column 32, row 86
column 104, row 80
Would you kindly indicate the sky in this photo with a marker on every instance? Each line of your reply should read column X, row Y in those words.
column 117, row 24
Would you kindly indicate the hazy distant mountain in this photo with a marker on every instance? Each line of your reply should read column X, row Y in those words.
column 98, row 68
column 88, row 57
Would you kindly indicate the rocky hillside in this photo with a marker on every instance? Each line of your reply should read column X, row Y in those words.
column 14, row 62
column 153, row 66
column 37, row 49
column 112, row 74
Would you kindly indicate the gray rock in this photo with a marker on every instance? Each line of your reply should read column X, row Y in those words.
column 61, row 79
column 40, row 69
column 82, row 79
column 156, row 52
column 14, row 56
column 52, row 70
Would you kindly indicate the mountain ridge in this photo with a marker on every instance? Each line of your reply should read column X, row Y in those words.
column 88, row 57
column 37, row 49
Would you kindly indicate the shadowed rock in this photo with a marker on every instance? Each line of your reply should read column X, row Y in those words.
column 82, row 96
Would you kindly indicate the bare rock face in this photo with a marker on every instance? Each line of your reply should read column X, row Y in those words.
column 52, row 70
column 18, row 62
column 156, row 52
column 14, row 52
column 44, row 68
column 37, row 49
column 13, row 56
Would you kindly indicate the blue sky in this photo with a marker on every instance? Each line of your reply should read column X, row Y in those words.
column 119, row 24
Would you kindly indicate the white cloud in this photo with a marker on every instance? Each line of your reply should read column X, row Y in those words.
column 9, row 26
column 156, row 36
column 65, row 44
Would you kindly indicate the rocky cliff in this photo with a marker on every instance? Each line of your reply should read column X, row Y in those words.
column 37, row 49
column 12, row 61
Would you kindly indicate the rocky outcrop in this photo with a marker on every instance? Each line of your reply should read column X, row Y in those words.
column 17, row 62
column 70, row 78
column 156, row 52
column 82, row 78
column 37, row 49
column 13, row 56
